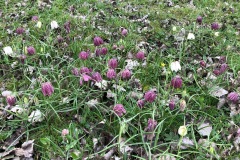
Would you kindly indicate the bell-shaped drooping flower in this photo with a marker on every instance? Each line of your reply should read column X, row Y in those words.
column 119, row 109
column 83, row 55
column 182, row 131
column 47, row 89
column 171, row 105
column 86, row 77
column 31, row 50
column 175, row 66
column 151, row 125
column 141, row 103
column 8, row 51
column 54, row 25
column 215, row 26
column 112, row 63
column 190, row 36
column 182, row 105
column 22, row 58
column 203, row 63
column 114, row 47
column 11, row 100
column 20, row 30
column 67, row 26
column 65, row 132
column 176, row 82
column 104, row 51
column 97, row 41
column 111, row 74
column 85, row 70
column 126, row 74
column 39, row 24
column 140, row 55
column 96, row 76
column 150, row 96
column 98, row 52
column 124, row 32
column 60, row 39
column 199, row 19
column 223, row 68
column 233, row 97
column 34, row 18
column 75, row 72
column 217, row 72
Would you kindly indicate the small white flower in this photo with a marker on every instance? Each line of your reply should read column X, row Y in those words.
column 102, row 85
column 54, row 25
column 7, row 93
column 175, row 66
column 8, row 51
column 174, row 28
column 190, row 36
column 182, row 131
column 131, row 64
column 92, row 103
column 35, row 116
column 17, row 109
column 216, row 34
column 39, row 24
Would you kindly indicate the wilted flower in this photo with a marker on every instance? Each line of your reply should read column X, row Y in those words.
column 22, row 58
column 34, row 18
column 150, row 96
column 65, row 132
column 20, row 30
column 8, row 50
column 67, row 26
column 182, row 105
column 233, row 96
column 190, row 36
column 60, row 39
column 83, row 55
column 47, row 89
column 202, row 63
column 215, row 26
column 97, row 41
column 39, row 24
column 140, row 55
column 31, row 50
column 54, row 25
column 126, row 74
column 11, row 100
column 171, row 105
column 112, row 63
column 111, row 74
column 140, row 103
column 182, row 131
column 119, row 109
column 199, row 19
column 176, row 82
column 96, row 76
column 124, row 32
column 104, row 51
column 151, row 125
column 75, row 72
column 85, row 70
column 175, row 66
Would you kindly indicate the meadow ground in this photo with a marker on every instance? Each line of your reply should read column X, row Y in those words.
column 102, row 79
